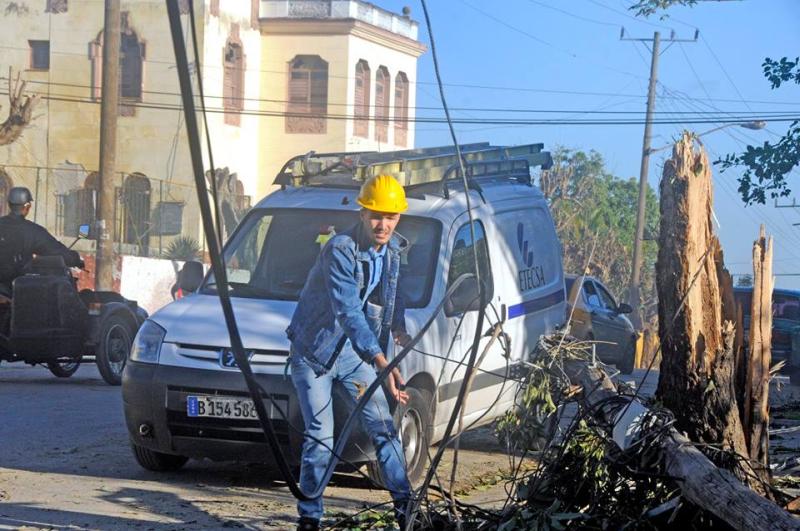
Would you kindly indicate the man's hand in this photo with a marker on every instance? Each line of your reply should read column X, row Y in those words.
column 394, row 381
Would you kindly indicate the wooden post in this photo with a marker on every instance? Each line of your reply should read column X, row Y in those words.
column 697, row 335
column 756, row 406
column 106, row 189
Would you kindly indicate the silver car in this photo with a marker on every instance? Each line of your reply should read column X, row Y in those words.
column 598, row 317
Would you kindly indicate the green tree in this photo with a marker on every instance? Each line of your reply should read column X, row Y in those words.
column 593, row 209
column 765, row 167
column 744, row 281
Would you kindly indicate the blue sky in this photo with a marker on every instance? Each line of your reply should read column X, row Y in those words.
column 547, row 46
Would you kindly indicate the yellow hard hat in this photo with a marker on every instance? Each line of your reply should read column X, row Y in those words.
column 383, row 194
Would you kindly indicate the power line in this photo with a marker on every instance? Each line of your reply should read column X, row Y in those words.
column 421, row 107
column 573, row 15
column 538, row 39
column 724, row 70
column 716, row 110
column 785, row 117
column 628, row 15
column 786, row 241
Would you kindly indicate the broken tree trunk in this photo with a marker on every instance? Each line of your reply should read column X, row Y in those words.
column 756, row 406
column 697, row 335
column 713, row 489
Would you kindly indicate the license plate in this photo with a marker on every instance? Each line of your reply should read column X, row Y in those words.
column 223, row 407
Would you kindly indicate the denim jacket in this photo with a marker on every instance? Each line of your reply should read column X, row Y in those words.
column 332, row 308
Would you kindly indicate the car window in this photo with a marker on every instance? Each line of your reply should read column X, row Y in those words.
column 785, row 307
column 462, row 261
column 244, row 261
column 606, row 298
column 273, row 251
column 590, row 295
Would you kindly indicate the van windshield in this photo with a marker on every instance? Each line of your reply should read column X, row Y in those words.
column 273, row 251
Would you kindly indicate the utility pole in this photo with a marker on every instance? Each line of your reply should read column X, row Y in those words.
column 105, row 259
column 634, row 295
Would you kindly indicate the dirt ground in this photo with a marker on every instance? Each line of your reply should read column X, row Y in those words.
column 65, row 463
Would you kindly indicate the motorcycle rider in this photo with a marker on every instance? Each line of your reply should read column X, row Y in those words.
column 21, row 240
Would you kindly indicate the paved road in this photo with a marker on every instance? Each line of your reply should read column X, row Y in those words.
column 65, row 464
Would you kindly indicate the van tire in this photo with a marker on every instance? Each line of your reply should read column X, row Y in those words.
column 157, row 461
column 116, row 338
column 417, row 430
column 628, row 360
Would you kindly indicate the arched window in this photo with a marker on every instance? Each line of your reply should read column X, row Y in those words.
column 233, row 78
column 401, row 109
column 361, row 100
column 131, row 66
column 5, row 186
column 382, row 82
column 308, row 95
column 136, row 210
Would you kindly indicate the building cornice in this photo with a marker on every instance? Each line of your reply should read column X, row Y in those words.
column 346, row 26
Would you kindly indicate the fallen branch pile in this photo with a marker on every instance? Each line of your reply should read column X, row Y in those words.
column 604, row 459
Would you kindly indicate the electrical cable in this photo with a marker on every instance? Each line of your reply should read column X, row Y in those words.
column 481, row 287
column 765, row 215
column 573, row 15
column 220, row 276
column 620, row 94
column 778, row 116
column 525, row 33
column 212, row 169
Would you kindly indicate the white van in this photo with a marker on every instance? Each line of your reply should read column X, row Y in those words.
column 185, row 398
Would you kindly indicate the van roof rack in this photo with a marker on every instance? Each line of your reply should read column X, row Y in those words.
column 415, row 168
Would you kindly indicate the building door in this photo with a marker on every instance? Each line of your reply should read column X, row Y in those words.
column 136, row 211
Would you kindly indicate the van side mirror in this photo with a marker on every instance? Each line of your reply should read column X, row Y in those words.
column 465, row 298
column 190, row 276
column 83, row 231
column 624, row 307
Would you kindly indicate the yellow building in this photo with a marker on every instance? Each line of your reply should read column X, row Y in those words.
column 281, row 77
column 346, row 59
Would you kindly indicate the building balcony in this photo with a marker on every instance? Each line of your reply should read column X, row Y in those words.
column 340, row 9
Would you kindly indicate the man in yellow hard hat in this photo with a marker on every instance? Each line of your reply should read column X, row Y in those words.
column 340, row 331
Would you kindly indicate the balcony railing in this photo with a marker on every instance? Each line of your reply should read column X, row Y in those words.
column 340, row 9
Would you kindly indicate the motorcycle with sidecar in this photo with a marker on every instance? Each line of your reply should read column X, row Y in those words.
column 49, row 321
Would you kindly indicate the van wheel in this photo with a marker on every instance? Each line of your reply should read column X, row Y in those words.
column 64, row 369
column 625, row 365
column 415, row 422
column 157, row 461
column 116, row 338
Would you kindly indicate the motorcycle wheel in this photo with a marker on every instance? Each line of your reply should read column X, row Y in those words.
column 115, row 345
column 64, row 369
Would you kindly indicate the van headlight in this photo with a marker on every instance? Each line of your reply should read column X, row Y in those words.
column 147, row 344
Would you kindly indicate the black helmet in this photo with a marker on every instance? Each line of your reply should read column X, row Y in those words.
column 19, row 195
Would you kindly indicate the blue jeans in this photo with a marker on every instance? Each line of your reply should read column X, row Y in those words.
column 316, row 403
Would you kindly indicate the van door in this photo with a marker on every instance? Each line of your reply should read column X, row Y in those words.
column 462, row 318
column 529, row 262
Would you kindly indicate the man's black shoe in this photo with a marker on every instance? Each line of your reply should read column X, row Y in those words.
column 307, row 524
